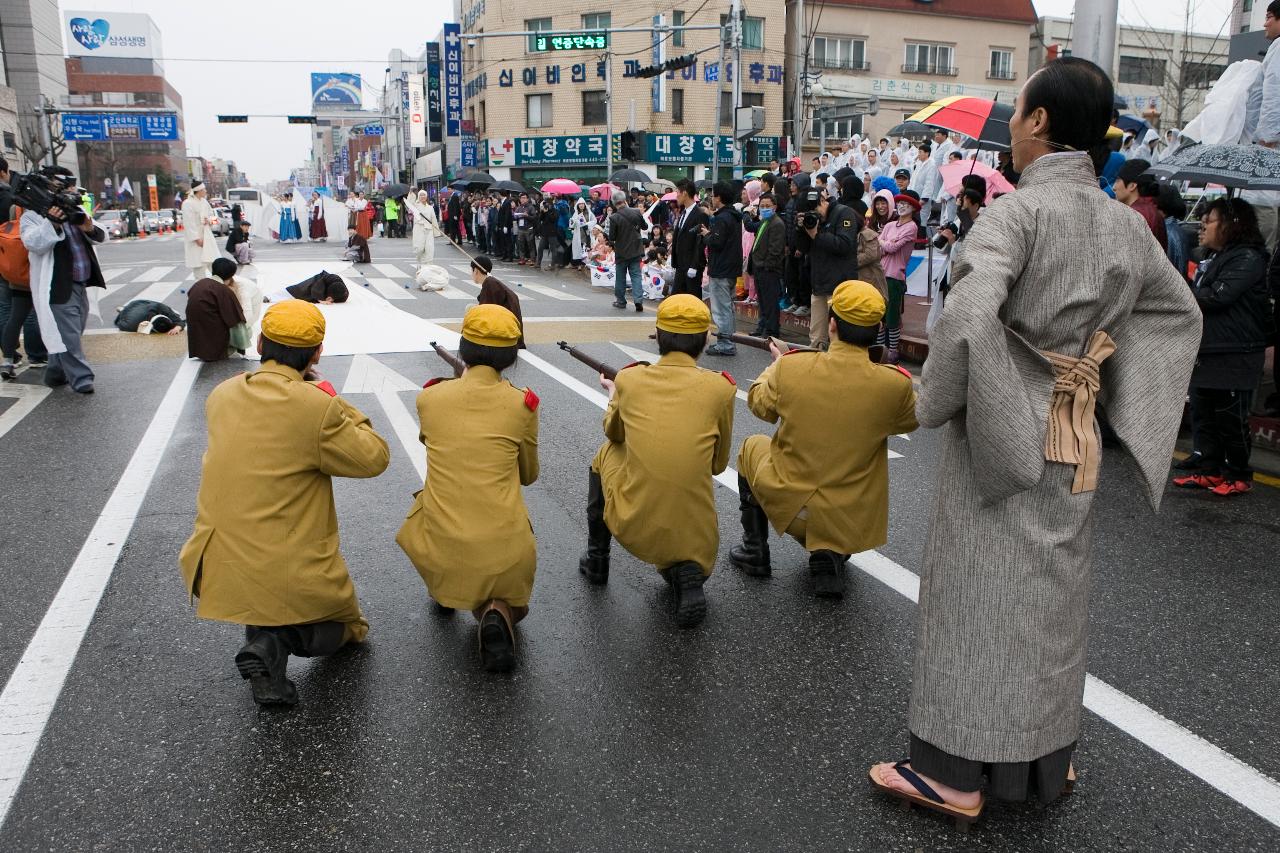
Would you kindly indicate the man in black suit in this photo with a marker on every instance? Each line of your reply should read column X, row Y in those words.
column 504, row 239
column 687, row 255
column 454, row 218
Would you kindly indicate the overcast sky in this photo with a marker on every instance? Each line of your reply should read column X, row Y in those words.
column 242, row 57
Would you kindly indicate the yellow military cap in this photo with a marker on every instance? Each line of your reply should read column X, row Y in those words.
column 294, row 323
column 858, row 302
column 491, row 326
column 684, row 314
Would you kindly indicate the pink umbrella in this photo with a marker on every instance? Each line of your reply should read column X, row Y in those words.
column 671, row 196
column 952, row 173
column 561, row 186
column 606, row 189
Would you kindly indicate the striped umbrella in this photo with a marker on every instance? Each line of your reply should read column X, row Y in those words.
column 980, row 118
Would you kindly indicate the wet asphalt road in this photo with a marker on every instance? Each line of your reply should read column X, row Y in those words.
column 617, row 731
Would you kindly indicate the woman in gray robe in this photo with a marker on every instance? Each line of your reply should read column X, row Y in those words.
column 1060, row 298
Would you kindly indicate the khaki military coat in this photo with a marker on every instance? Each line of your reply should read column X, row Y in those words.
column 830, row 454
column 265, row 546
column 468, row 533
column 670, row 426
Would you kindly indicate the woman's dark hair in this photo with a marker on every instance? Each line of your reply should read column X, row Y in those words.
column 974, row 197
column 858, row 336
column 223, row 268
column 478, row 355
column 689, row 344
column 1078, row 97
column 975, row 182
column 724, row 192
column 1171, row 203
column 296, row 357
column 1239, row 221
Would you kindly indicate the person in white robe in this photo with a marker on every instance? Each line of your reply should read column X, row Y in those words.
column 199, row 245
column 425, row 227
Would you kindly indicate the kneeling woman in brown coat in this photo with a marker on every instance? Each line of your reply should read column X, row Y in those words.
column 468, row 532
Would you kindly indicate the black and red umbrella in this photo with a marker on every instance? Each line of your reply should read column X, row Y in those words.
column 979, row 118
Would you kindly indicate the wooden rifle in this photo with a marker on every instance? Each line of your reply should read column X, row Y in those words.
column 593, row 363
column 451, row 359
column 876, row 352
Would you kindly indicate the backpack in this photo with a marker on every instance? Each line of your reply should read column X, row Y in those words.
column 15, row 264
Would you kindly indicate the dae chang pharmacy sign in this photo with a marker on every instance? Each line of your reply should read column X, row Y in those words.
column 117, row 35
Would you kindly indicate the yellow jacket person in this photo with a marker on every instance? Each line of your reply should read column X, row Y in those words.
column 669, row 426
column 264, row 552
column 468, row 533
column 824, row 475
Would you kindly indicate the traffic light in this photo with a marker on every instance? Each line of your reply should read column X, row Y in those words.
column 233, row 119
column 302, row 119
column 670, row 65
column 632, row 143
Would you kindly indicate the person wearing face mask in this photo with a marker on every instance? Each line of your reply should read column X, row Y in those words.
column 897, row 240
column 1059, row 298
column 767, row 262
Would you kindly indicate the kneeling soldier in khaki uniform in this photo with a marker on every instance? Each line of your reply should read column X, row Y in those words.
column 669, row 427
column 264, row 553
column 468, row 533
column 824, row 476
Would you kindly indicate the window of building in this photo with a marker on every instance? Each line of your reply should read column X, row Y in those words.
column 537, row 110
column 10, row 143
column 1141, row 70
column 749, row 99
column 1247, row 6
column 840, row 53
column 677, row 106
column 677, row 20
column 593, row 108
column 1001, row 67
column 596, row 21
column 837, row 130
column 539, row 25
column 752, row 32
column 1200, row 75
column 930, row 59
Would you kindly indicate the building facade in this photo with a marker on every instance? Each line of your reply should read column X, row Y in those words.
column 531, row 114
column 905, row 53
column 31, row 46
column 1247, row 15
column 1164, row 75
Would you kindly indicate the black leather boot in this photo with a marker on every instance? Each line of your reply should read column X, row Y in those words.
column 594, row 564
column 827, row 569
column 752, row 556
column 263, row 661
column 312, row 641
column 689, row 603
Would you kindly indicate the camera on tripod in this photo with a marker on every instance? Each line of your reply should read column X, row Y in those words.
column 48, row 190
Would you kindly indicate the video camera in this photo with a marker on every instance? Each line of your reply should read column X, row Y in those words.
column 940, row 241
column 807, row 204
column 47, row 190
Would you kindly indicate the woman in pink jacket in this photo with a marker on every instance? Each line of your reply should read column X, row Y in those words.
column 897, row 240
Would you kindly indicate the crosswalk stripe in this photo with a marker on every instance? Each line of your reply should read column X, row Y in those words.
column 388, row 289
column 451, row 292
column 155, row 274
column 391, row 271
column 111, row 275
column 549, row 291
column 158, row 292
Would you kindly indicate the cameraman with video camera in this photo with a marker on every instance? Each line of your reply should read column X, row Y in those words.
column 17, row 314
column 832, row 230
column 59, row 237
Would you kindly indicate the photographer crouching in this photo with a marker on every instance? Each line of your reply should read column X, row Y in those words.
column 833, row 254
column 59, row 237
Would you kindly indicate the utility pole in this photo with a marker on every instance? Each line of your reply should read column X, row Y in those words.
column 801, row 58
column 738, row 12
column 608, row 110
column 1093, row 35
column 715, row 151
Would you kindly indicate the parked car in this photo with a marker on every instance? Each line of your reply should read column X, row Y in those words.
column 112, row 222
column 224, row 221
column 151, row 221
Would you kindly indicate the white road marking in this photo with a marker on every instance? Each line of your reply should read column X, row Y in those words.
column 451, row 292
column 548, row 291
column 111, row 275
column 28, row 397
column 1224, row 772
column 370, row 376
column 32, row 691
column 388, row 289
column 158, row 292
column 391, row 271
column 154, row 274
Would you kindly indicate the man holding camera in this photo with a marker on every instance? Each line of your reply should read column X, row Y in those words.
column 63, row 265
column 833, row 254
column 17, row 314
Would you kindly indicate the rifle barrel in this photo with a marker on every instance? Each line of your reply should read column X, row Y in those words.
column 763, row 343
column 594, row 363
column 451, row 359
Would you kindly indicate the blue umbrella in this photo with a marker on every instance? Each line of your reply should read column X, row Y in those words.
column 1132, row 124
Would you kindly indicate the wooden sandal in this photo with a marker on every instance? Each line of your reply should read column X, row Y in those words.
column 927, row 797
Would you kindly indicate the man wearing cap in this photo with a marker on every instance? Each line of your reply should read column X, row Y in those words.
column 494, row 292
column 669, row 428
column 264, row 553
column 902, row 178
column 198, row 241
column 823, row 477
column 468, row 532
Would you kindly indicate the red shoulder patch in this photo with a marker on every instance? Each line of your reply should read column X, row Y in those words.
column 531, row 400
column 794, row 351
column 432, row 381
column 902, row 370
column 634, row 364
column 726, row 375
column 326, row 388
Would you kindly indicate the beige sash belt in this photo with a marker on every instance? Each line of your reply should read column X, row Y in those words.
column 1070, row 438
